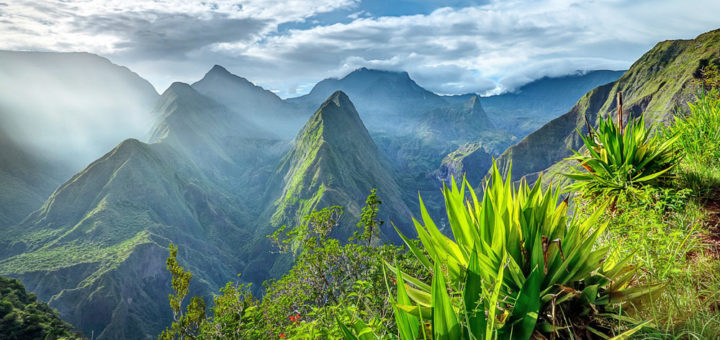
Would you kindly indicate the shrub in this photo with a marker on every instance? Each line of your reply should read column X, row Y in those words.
column 616, row 162
column 517, row 267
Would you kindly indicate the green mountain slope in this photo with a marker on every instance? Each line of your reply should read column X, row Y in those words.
column 22, row 316
column 26, row 181
column 334, row 161
column 662, row 80
column 59, row 112
column 96, row 249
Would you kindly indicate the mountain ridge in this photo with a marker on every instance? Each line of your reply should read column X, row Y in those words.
column 645, row 89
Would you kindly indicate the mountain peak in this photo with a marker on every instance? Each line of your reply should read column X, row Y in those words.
column 178, row 88
column 473, row 104
column 339, row 113
column 339, row 98
column 217, row 69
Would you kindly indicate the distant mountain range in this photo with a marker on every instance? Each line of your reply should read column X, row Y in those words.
column 222, row 164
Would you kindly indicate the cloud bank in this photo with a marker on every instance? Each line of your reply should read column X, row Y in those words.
column 289, row 45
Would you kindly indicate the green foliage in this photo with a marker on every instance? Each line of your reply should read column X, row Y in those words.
column 23, row 316
column 184, row 325
column 710, row 75
column 329, row 281
column 517, row 259
column 617, row 162
column 670, row 230
column 700, row 125
column 369, row 222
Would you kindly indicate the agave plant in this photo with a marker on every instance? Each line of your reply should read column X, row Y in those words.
column 516, row 266
column 617, row 161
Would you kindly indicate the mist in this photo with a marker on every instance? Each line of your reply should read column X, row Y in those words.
column 71, row 108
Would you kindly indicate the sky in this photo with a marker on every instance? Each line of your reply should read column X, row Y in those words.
column 449, row 47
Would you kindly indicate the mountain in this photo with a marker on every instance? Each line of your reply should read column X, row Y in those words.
column 335, row 161
column 387, row 101
column 470, row 159
column 96, row 249
column 255, row 104
column 70, row 108
column 26, row 181
column 661, row 81
column 532, row 105
column 461, row 121
column 22, row 316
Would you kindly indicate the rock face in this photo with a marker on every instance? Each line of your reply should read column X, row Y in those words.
column 470, row 156
column 661, row 81
column 334, row 161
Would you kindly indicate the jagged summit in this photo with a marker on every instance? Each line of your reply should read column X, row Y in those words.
column 220, row 74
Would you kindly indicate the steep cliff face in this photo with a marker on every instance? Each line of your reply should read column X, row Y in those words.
column 660, row 82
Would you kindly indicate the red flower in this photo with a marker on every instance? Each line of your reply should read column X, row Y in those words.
column 282, row 335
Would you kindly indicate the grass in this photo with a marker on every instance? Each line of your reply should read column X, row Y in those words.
column 673, row 232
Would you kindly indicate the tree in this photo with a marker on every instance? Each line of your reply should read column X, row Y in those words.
column 369, row 222
column 184, row 325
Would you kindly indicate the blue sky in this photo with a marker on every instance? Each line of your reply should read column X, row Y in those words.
column 287, row 46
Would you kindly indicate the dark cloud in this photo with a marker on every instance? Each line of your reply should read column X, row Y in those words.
column 163, row 35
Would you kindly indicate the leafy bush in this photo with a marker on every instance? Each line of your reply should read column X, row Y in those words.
column 517, row 267
column 616, row 162
column 23, row 316
column 328, row 281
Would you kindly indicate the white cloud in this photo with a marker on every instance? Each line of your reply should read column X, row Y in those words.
column 498, row 45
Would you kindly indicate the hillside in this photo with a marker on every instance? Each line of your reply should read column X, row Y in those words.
column 251, row 102
column 26, row 180
column 334, row 161
column 646, row 87
column 98, row 243
column 22, row 316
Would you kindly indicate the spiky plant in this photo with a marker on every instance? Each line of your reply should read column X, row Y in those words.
column 616, row 162
column 516, row 266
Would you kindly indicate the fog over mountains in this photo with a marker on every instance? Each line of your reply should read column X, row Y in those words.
column 100, row 173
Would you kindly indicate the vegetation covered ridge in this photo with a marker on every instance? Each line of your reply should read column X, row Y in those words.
column 628, row 251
